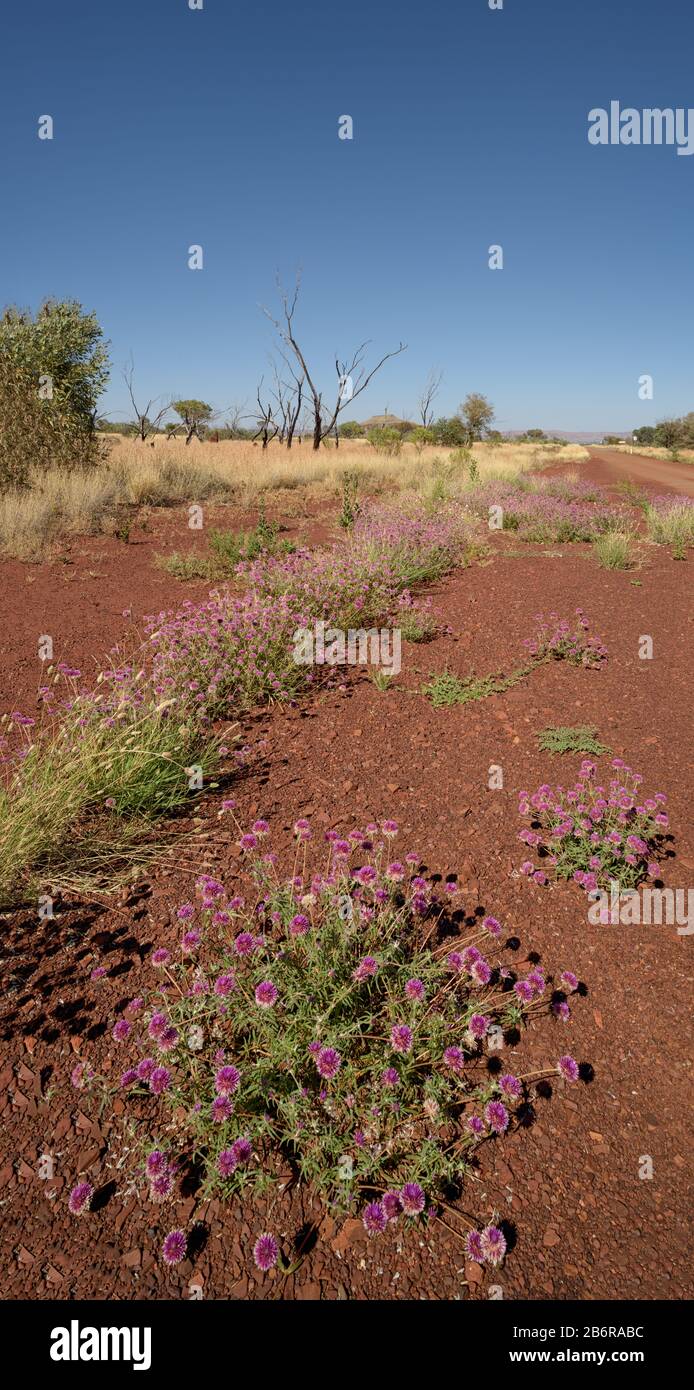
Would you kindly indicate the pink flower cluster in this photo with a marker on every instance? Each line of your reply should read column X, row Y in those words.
column 595, row 834
column 563, row 640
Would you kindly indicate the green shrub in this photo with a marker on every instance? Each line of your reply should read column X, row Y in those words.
column 614, row 550
column 562, row 739
column 335, row 1029
column 386, row 440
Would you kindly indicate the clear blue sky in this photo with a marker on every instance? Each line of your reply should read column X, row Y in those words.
column 219, row 127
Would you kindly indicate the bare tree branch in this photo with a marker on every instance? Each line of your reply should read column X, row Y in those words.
column 325, row 420
column 426, row 400
column 145, row 424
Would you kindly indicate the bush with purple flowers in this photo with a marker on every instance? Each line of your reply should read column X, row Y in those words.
column 559, row 639
column 337, row 1022
column 547, row 513
column 595, row 834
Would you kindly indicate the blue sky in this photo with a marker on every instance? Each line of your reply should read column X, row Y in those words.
column 220, row 128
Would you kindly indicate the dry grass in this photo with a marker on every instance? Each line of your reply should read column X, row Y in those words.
column 684, row 455
column 171, row 472
column 57, row 504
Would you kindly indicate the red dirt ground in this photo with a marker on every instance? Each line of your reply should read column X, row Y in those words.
column 585, row 1225
column 609, row 466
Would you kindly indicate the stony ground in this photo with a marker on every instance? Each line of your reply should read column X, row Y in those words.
column 582, row 1222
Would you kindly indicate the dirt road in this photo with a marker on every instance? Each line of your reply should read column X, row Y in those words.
column 609, row 466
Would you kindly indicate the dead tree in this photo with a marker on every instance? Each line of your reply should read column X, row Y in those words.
column 146, row 425
column 427, row 398
column 289, row 397
column 352, row 376
column 265, row 420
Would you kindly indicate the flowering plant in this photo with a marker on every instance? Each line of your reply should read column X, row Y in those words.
column 337, row 1023
column 559, row 639
column 595, row 834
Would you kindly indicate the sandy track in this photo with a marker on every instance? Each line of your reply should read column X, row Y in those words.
column 609, row 466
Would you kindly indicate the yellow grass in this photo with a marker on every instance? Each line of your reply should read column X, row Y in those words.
column 239, row 472
column 685, row 455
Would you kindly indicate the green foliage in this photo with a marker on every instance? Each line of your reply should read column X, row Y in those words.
column 562, row 739
column 386, row 440
column 420, row 437
column 53, row 367
column 416, row 624
column 35, row 436
column 669, row 434
column 632, row 494
column 88, row 789
column 450, row 433
column 194, row 414
column 477, row 414
column 340, row 1039
column 350, row 505
column 614, row 550
column 446, row 689
column 62, row 342
column 381, row 679
column 227, row 550
column 672, row 525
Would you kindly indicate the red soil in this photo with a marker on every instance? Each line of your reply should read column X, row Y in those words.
column 586, row 1226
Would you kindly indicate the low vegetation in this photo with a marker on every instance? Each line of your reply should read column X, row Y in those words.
column 582, row 738
column 338, row 1026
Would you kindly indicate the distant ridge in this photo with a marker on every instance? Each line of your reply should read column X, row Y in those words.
column 579, row 436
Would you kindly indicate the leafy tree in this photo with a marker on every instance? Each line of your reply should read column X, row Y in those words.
column 450, row 432
column 53, row 368
column 645, row 435
column 687, row 423
column 669, row 433
column 351, row 429
column 477, row 414
column 194, row 414
column 421, row 436
column 386, row 440
column 60, row 349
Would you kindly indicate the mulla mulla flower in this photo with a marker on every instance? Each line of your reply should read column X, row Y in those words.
column 174, row 1247
column 354, row 1045
column 80, row 1198
column 266, row 1252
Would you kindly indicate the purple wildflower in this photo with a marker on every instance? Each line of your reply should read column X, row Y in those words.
column 496, row 1116
column 266, row 1252
column 473, row 1247
column 80, row 1198
column 374, row 1218
column 392, row 1205
column 227, row 1080
column 401, row 1038
column 226, row 1163
column 493, row 1244
column 412, row 1198
column 174, row 1248
column 328, row 1063
column 160, row 1080
column 568, row 1068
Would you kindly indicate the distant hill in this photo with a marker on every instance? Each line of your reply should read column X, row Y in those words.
column 579, row 436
